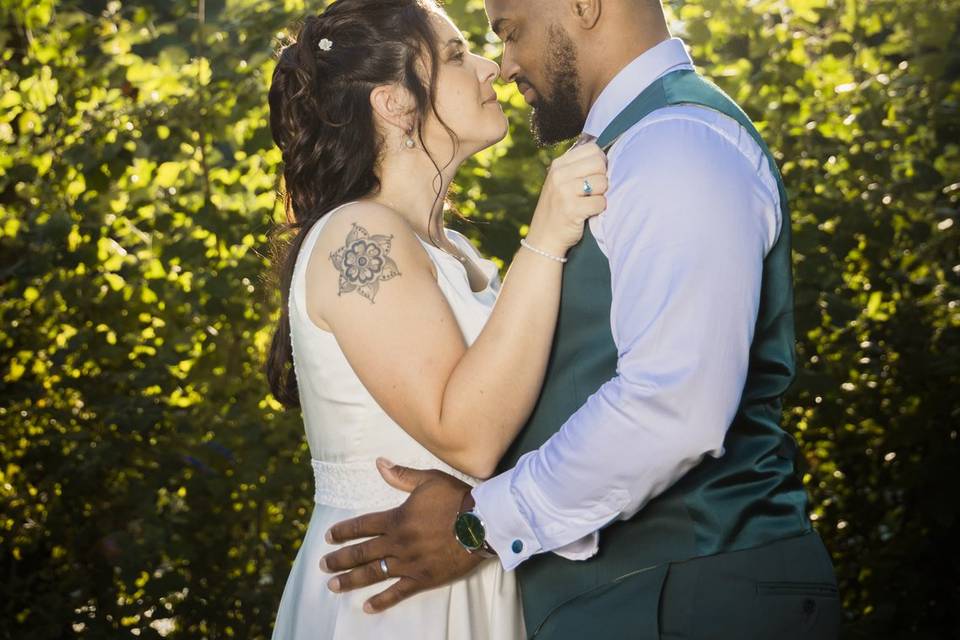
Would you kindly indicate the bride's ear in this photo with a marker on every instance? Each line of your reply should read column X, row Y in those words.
column 394, row 106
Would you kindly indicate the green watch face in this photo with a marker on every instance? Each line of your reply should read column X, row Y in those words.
column 469, row 531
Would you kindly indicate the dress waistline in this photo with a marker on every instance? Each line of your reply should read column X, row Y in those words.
column 357, row 485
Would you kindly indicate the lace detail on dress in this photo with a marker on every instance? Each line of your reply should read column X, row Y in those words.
column 359, row 486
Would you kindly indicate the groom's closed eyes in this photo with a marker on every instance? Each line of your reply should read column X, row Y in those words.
column 504, row 29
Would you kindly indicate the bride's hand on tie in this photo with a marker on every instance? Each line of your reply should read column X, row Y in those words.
column 415, row 540
column 572, row 192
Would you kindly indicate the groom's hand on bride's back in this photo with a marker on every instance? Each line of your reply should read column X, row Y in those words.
column 416, row 539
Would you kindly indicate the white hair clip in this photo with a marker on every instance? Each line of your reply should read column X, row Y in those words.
column 325, row 44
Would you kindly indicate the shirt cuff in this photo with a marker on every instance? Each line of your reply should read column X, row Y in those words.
column 507, row 530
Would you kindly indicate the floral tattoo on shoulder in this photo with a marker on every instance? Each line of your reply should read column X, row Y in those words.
column 363, row 262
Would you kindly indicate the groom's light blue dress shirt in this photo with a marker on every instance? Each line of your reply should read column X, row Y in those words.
column 692, row 211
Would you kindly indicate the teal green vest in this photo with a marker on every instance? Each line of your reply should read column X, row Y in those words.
column 749, row 496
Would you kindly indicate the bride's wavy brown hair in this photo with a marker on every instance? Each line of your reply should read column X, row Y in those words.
column 323, row 123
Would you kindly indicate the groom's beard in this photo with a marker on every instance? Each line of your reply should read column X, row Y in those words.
column 559, row 116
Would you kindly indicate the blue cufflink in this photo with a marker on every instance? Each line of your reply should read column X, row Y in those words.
column 517, row 546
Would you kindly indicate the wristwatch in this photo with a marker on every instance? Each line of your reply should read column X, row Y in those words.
column 469, row 530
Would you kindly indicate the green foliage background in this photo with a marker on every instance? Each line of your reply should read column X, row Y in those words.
column 148, row 483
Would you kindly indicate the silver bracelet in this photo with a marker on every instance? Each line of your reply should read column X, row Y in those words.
column 524, row 243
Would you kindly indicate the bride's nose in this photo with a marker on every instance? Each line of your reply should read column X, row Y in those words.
column 488, row 70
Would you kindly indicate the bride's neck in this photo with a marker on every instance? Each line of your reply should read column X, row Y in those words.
column 409, row 184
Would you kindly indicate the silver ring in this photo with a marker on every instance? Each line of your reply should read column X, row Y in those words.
column 383, row 566
column 587, row 189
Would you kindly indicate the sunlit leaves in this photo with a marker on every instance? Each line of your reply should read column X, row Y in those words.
column 860, row 102
column 143, row 463
column 137, row 194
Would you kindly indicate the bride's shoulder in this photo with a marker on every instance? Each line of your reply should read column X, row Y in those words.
column 363, row 225
column 365, row 220
column 365, row 213
column 368, row 217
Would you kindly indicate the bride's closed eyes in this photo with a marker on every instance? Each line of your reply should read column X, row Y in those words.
column 459, row 48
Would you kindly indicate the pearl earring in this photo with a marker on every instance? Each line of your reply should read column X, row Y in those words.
column 409, row 142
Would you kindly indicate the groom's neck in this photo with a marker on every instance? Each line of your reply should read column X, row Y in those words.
column 614, row 47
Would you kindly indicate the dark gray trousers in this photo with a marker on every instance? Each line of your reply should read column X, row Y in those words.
column 785, row 590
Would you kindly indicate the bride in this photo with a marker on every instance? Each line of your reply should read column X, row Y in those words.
column 389, row 339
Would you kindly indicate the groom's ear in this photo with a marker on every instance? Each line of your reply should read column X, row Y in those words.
column 586, row 12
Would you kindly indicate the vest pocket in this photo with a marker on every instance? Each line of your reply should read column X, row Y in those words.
column 797, row 610
column 628, row 607
column 822, row 589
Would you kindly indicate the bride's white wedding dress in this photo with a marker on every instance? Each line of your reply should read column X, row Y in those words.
column 346, row 431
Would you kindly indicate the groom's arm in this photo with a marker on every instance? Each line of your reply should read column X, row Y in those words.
column 692, row 212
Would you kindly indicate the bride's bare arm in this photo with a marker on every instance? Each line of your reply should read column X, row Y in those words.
column 382, row 301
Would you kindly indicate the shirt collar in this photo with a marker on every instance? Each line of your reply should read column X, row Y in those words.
column 640, row 73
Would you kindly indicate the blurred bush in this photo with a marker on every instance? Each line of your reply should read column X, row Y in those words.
column 149, row 484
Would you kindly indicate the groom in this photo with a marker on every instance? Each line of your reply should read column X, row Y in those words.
column 652, row 493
